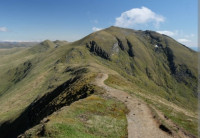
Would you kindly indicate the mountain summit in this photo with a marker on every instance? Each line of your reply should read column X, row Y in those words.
column 148, row 54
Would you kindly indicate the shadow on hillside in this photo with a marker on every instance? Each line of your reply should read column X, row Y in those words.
column 43, row 107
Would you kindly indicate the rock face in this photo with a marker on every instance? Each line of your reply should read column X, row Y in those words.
column 115, row 48
column 97, row 50
column 170, row 57
column 130, row 49
column 120, row 44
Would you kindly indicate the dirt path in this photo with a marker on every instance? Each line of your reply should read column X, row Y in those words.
column 140, row 119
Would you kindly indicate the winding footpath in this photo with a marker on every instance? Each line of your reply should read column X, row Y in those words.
column 141, row 123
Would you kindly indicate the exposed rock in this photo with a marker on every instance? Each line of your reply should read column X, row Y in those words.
column 164, row 128
column 170, row 58
column 120, row 44
column 97, row 50
column 45, row 120
column 21, row 136
column 115, row 48
column 130, row 50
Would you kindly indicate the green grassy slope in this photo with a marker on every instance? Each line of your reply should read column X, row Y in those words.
column 153, row 64
column 29, row 73
column 94, row 116
column 149, row 63
column 156, row 62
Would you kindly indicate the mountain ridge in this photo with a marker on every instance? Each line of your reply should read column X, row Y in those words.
column 146, row 61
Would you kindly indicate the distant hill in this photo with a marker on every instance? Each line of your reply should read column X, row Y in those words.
column 17, row 44
column 26, row 44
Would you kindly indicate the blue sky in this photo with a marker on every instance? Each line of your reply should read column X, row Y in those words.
column 37, row 20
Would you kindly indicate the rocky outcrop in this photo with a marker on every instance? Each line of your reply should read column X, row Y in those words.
column 153, row 37
column 120, row 44
column 115, row 48
column 130, row 49
column 186, row 76
column 97, row 50
column 170, row 57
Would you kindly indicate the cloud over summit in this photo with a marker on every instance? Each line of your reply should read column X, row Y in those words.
column 138, row 16
column 96, row 29
column 169, row 33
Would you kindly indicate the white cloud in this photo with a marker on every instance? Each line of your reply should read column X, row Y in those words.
column 169, row 33
column 96, row 29
column 3, row 29
column 137, row 16
column 188, row 42
column 183, row 40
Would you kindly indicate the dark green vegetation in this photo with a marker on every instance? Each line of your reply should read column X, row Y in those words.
column 39, row 80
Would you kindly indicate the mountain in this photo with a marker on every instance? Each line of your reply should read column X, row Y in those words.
column 29, row 44
column 17, row 44
column 148, row 55
column 41, row 81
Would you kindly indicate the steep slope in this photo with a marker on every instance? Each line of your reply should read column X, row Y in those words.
column 28, row 73
column 159, row 63
column 40, row 80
